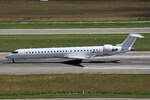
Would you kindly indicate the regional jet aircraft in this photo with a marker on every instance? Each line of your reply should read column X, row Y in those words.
column 76, row 53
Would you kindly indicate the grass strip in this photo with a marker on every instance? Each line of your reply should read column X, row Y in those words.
column 59, row 95
column 73, row 10
column 12, row 42
column 74, row 86
column 73, row 25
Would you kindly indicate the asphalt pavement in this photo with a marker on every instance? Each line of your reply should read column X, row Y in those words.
column 75, row 31
column 129, row 63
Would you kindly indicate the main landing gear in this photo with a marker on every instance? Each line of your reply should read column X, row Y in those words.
column 75, row 62
column 78, row 61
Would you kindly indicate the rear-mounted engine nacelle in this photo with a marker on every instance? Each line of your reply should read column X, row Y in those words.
column 109, row 49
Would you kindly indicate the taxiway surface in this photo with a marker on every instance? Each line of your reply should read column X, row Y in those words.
column 129, row 63
column 75, row 31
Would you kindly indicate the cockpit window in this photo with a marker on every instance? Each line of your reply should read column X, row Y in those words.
column 14, row 52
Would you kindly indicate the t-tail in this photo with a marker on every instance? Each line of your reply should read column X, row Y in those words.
column 127, row 44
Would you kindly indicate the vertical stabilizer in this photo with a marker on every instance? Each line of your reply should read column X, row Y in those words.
column 129, row 42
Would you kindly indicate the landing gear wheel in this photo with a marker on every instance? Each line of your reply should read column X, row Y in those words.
column 13, row 60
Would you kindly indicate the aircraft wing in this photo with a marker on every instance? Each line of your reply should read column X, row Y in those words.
column 80, row 55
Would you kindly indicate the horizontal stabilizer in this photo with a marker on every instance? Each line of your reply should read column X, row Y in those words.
column 136, row 35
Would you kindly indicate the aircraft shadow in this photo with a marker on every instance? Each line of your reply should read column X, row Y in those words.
column 112, row 61
column 69, row 62
column 74, row 63
column 78, row 63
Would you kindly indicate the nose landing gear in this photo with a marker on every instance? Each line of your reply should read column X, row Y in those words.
column 13, row 60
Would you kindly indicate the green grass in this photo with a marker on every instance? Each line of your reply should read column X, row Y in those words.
column 76, row 95
column 12, row 42
column 73, row 10
column 73, row 85
column 73, row 25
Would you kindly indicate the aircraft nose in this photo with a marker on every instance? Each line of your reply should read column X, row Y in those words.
column 8, row 57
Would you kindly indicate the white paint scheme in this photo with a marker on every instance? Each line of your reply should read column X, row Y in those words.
column 79, row 53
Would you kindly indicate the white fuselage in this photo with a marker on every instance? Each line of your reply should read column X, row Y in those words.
column 61, row 52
